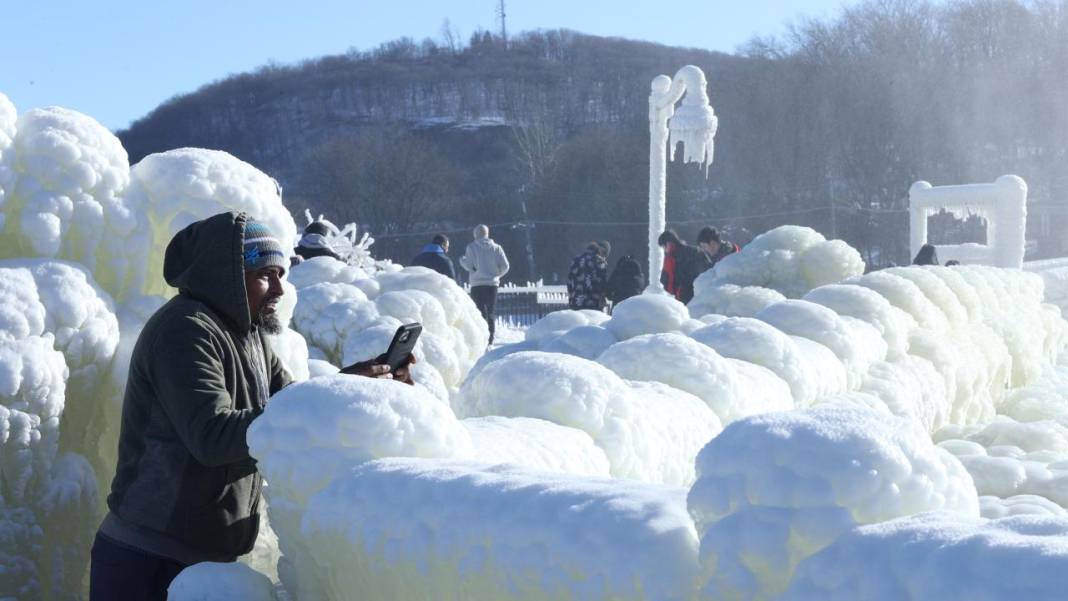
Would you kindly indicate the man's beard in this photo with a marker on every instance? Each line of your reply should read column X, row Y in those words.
column 269, row 321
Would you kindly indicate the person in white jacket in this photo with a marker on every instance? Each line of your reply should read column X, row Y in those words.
column 486, row 262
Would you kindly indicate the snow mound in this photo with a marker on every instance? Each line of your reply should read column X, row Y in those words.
column 649, row 434
column 210, row 581
column 498, row 532
column 867, row 305
column 58, row 337
column 170, row 190
column 65, row 202
column 757, row 342
column 647, row 314
column 537, row 444
column 789, row 259
column 353, row 317
column 940, row 556
column 776, row 488
column 688, row 365
column 730, row 300
column 1007, row 458
column 562, row 321
column 314, row 430
column 856, row 343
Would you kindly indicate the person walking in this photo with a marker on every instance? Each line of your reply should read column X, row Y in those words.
column 587, row 279
column 433, row 256
column 186, row 489
column 485, row 260
column 627, row 280
column 714, row 247
column 682, row 264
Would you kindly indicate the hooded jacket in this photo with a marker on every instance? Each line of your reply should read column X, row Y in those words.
column 486, row 261
column 433, row 257
column 627, row 280
column 185, row 487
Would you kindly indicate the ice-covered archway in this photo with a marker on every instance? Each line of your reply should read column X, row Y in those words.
column 1003, row 204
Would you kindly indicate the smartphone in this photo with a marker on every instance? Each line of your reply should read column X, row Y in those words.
column 402, row 345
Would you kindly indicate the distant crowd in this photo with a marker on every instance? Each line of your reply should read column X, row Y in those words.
column 590, row 283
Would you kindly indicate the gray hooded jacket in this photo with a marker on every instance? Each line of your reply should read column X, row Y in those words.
column 185, row 487
column 486, row 261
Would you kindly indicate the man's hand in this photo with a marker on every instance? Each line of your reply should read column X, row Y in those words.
column 404, row 373
column 369, row 369
column 377, row 368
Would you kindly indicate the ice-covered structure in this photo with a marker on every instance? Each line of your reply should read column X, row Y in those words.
column 1003, row 204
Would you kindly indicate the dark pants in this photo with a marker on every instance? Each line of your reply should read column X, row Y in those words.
column 122, row 574
column 485, row 298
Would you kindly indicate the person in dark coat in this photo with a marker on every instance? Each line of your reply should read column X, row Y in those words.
column 433, row 256
column 588, row 278
column 627, row 280
column 928, row 255
column 315, row 242
column 186, row 489
column 682, row 264
column 714, row 247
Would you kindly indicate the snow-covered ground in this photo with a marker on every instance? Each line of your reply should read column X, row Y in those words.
column 798, row 431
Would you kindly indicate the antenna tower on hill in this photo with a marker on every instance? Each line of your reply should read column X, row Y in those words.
column 501, row 18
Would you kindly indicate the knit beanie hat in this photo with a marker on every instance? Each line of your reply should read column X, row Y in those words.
column 261, row 248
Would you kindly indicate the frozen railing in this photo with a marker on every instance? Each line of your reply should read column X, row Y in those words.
column 522, row 305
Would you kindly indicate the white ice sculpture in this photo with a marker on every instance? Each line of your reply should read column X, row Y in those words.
column 1003, row 204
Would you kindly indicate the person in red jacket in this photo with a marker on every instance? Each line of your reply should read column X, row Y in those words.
column 682, row 264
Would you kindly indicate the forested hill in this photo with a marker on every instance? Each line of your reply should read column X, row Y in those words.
column 827, row 126
column 273, row 116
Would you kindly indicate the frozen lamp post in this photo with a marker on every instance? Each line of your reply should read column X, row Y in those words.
column 693, row 124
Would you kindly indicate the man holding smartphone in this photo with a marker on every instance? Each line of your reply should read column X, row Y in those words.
column 185, row 488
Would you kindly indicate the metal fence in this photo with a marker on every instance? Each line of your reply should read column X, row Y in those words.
column 523, row 305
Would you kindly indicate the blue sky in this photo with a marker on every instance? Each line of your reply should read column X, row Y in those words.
column 117, row 59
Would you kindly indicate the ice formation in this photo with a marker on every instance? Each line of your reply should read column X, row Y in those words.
column 647, row 433
column 172, row 189
column 940, row 555
column 776, row 488
column 58, row 337
column 64, row 198
column 210, row 581
column 789, row 259
column 348, row 315
column 432, row 528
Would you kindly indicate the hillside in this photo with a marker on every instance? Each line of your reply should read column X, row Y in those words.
column 827, row 128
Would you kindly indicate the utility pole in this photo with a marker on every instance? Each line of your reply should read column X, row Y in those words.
column 501, row 17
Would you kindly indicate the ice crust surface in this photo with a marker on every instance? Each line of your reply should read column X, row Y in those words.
column 498, row 532
column 941, row 555
column 773, row 489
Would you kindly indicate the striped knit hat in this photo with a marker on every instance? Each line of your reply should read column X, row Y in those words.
column 261, row 248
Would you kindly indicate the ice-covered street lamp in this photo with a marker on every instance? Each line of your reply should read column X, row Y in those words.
column 694, row 124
